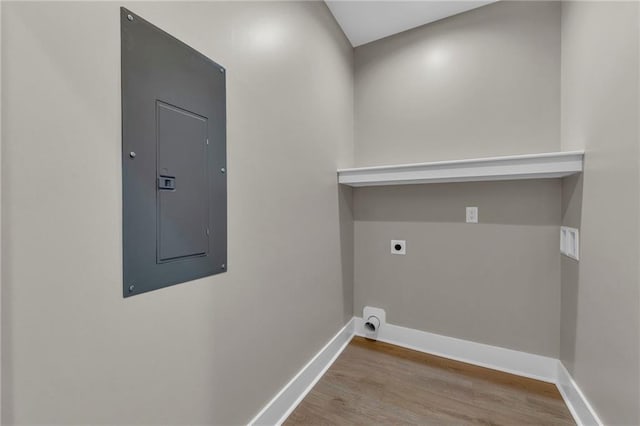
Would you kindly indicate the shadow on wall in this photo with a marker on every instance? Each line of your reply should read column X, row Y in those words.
column 7, row 332
column 523, row 202
column 571, row 216
column 345, row 211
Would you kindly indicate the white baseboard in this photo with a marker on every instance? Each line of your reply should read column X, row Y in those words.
column 515, row 362
column 537, row 367
column 283, row 404
column 582, row 412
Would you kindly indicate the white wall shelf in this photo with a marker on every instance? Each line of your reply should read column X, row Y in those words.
column 514, row 167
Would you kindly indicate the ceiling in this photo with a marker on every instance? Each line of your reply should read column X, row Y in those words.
column 366, row 21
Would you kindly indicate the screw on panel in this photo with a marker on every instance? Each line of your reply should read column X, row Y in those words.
column 132, row 154
column 223, row 266
column 221, row 69
column 130, row 17
column 131, row 287
column 223, row 170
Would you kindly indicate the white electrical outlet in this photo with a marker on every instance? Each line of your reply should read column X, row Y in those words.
column 570, row 242
column 472, row 215
column 398, row 247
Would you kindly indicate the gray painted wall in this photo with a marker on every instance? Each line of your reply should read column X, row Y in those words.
column 601, row 294
column 483, row 83
column 215, row 350
column 496, row 282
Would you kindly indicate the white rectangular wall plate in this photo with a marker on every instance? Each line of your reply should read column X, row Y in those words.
column 570, row 242
column 398, row 247
column 472, row 215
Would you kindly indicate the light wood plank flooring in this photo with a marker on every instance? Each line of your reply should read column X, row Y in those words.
column 377, row 383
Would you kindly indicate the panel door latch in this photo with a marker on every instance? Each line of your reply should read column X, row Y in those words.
column 167, row 183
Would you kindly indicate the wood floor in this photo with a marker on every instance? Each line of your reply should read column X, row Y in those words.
column 377, row 383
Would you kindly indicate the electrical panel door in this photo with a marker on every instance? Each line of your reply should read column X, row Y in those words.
column 173, row 160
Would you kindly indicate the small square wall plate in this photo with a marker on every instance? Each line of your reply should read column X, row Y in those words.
column 398, row 247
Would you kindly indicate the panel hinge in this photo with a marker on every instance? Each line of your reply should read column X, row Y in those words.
column 207, row 231
column 207, row 141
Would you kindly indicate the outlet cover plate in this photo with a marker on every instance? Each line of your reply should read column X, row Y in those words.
column 399, row 247
column 472, row 215
column 570, row 242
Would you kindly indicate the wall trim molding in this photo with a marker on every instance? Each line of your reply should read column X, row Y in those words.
column 582, row 412
column 510, row 361
column 524, row 364
column 282, row 405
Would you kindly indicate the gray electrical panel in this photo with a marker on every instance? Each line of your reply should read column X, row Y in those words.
column 173, row 160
